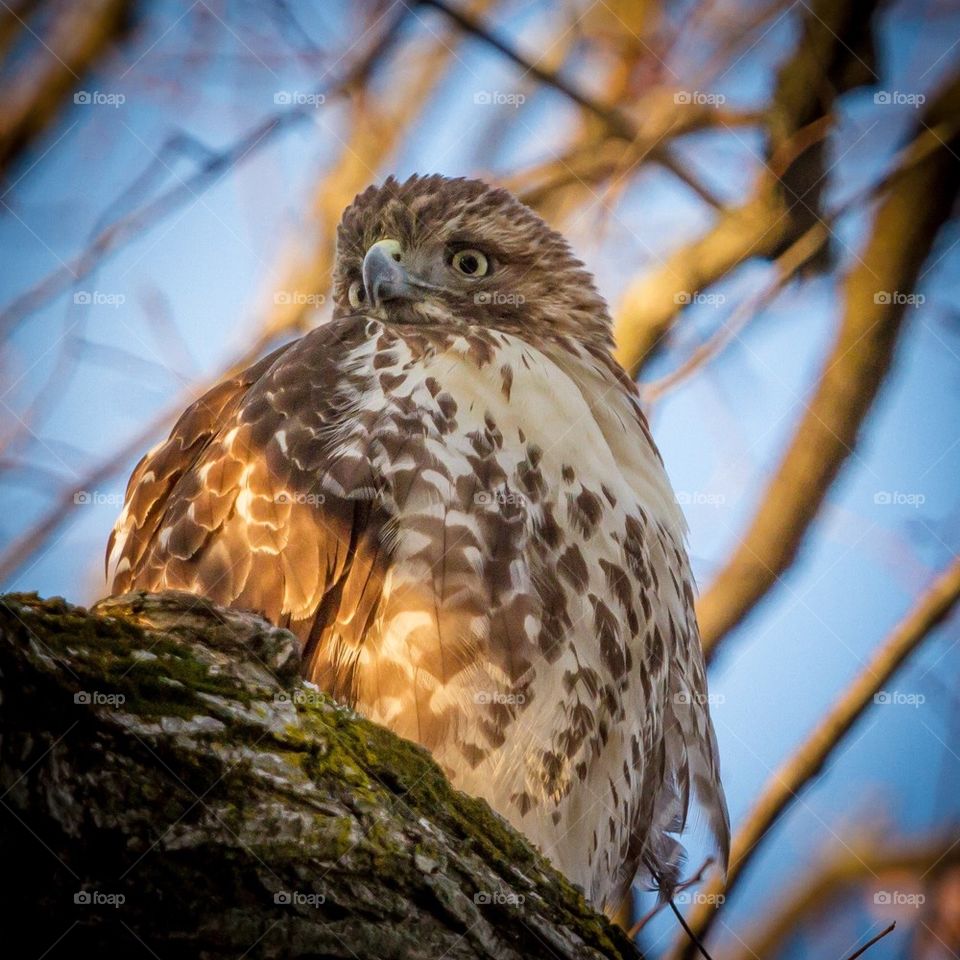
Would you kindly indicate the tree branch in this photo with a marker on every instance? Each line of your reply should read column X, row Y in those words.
column 617, row 123
column 170, row 783
column 76, row 37
column 784, row 786
column 831, row 56
column 875, row 294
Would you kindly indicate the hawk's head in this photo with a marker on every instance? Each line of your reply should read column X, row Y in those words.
column 448, row 252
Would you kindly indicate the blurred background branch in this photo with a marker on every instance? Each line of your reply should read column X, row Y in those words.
column 782, row 789
column 853, row 373
column 70, row 41
column 858, row 866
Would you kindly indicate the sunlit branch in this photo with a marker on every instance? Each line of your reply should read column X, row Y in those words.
column 782, row 789
column 73, row 38
column 617, row 123
column 875, row 307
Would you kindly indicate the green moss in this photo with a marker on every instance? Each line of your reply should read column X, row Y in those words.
column 373, row 772
column 101, row 651
column 399, row 769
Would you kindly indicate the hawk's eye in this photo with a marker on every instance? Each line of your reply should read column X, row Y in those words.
column 471, row 263
column 356, row 294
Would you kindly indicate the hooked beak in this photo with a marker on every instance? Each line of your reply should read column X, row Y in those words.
column 384, row 276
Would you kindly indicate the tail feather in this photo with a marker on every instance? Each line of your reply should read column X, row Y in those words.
column 691, row 774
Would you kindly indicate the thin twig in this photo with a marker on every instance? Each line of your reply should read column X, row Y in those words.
column 694, row 939
column 870, row 943
column 653, row 911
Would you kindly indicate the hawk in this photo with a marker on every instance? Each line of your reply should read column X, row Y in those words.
column 450, row 494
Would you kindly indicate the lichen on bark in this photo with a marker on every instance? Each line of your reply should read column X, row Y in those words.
column 169, row 782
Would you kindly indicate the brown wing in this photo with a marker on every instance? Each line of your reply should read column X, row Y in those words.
column 156, row 475
column 255, row 501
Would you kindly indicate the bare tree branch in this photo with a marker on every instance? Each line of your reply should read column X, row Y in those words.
column 858, row 863
column 597, row 159
column 784, row 786
column 786, row 200
column 116, row 234
column 874, row 309
column 167, row 751
column 78, row 34
column 618, row 124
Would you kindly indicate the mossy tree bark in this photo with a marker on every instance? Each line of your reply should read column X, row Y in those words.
column 170, row 787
